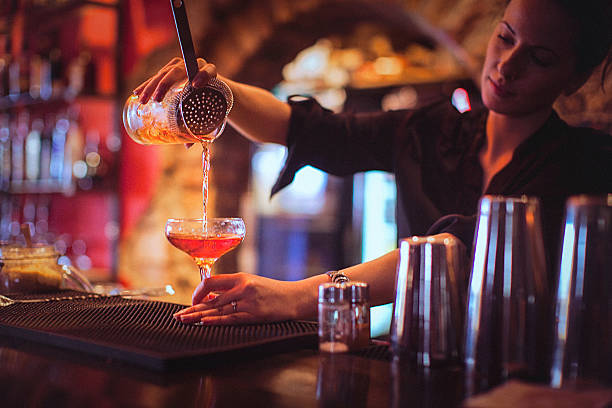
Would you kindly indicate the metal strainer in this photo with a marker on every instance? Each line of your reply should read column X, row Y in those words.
column 199, row 111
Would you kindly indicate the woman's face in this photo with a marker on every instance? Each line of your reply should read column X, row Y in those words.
column 530, row 59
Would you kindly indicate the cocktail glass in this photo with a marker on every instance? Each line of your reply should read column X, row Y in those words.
column 205, row 240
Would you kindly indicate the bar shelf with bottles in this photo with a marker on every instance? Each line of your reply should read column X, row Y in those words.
column 59, row 127
column 43, row 146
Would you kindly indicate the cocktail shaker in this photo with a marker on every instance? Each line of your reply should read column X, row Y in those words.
column 186, row 114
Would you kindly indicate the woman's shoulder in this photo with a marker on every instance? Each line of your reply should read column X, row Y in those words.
column 589, row 138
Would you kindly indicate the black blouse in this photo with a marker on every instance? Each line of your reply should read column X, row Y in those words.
column 433, row 153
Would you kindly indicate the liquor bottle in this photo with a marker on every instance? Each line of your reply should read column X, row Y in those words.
column 75, row 145
column 17, row 149
column 32, row 150
column 14, row 80
column 57, row 72
column 46, row 84
column 4, row 77
column 92, row 153
column 58, row 145
column 45, row 148
column 5, row 152
column 35, row 76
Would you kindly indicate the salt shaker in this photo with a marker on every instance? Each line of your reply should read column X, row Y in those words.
column 334, row 318
column 359, row 293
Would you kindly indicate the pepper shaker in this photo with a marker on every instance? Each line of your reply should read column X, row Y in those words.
column 359, row 293
column 334, row 318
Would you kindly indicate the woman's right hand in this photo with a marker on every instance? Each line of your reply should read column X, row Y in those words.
column 257, row 299
column 174, row 71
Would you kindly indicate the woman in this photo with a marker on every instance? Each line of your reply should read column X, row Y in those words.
column 443, row 160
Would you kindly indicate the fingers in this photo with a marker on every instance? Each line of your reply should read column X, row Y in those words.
column 219, row 283
column 158, row 85
column 221, row 315
column 205, row 74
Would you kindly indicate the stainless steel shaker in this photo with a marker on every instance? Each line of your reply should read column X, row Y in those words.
column 427, row 323
column 507, row 321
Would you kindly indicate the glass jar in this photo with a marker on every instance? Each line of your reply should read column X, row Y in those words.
column 334, row 318
column 35, row 269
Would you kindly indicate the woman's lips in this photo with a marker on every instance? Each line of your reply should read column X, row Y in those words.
column 499, row 90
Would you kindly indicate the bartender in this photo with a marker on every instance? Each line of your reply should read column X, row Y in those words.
column 443, row 160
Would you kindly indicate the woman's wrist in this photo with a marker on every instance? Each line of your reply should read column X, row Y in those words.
column 307, row 296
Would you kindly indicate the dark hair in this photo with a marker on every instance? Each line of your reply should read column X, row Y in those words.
column 593, row 39
column 593, row 35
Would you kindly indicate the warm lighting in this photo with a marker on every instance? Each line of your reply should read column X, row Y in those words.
column 79, row 169
column 92, row 159
column 388, row 66
column 404, row 98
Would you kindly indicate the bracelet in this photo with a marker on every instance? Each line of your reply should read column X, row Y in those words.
column 337, row 276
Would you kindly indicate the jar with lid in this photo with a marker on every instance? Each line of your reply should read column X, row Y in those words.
column 32, row 269
column 334, row 318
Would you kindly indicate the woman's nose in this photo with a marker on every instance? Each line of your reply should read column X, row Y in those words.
column 510, row 65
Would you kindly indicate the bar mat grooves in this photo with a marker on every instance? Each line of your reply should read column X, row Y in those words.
column 143, row 332
column 376, row 352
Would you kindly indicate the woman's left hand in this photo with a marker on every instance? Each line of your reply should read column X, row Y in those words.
column 246, row 298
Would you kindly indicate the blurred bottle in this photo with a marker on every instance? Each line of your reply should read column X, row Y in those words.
column 75, row 145
column 58, row 146
column 57, row 72
column 35, row 76
column 14, row 78
column 45, row 148
column 81, row 75
column 5, row 216
column 4, row 75
column 32, row 150
column 92, row 152
column 17, row 148
column 40, row 78
column 5, row 152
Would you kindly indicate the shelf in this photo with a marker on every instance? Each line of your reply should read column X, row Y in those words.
column 25, row 100
column 41, row 187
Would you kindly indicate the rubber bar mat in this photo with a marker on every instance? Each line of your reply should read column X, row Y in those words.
column 376, row 352
column 143, row 332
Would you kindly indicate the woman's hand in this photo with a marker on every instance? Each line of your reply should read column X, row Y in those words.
column 247, row 298
column 173, row 72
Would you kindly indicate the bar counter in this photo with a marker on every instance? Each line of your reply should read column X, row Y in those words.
column 43, row 376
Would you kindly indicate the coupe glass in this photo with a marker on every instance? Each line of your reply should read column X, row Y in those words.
column 205, row 240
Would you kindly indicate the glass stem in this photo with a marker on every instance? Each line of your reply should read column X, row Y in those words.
column 205, row 265
column 204, row 271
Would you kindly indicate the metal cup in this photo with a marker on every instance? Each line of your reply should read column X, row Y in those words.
column 583, row 315
column 427, row 322
column 507, row 313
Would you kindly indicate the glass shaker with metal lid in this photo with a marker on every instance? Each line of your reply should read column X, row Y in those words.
column 32, row 269
column 186, row 114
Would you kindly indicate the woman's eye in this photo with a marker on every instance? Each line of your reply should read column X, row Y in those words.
column 539, row 61
column 504, row 39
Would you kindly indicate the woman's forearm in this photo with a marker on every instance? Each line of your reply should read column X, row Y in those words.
column 378, row 273
column 258, row 114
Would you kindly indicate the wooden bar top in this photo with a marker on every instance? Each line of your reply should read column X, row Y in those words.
column 42, row 376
